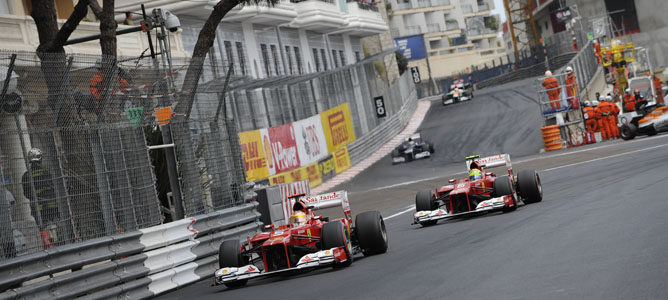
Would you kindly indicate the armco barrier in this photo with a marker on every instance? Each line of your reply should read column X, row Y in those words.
column 133, row 265
column 364, row 146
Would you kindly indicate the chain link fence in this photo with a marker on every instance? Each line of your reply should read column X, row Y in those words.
column 82, row 153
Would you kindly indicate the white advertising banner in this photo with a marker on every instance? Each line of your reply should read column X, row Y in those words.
column 311, row 142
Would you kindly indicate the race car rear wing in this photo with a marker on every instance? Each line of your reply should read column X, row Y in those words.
column 329, row 200
column 490, row 162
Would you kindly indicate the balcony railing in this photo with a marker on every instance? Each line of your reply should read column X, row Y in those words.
column 451, row 25
column 405, row 5
column 365, row 5
column 434, row 27
column 483, row 6
column 440, row 2
column 413, row 30
column 480, row 31
column 395, row 32
column 424, row 3
column 467, row 8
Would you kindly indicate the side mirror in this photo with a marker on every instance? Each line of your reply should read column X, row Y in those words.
column 269, row 228
column 452, row 180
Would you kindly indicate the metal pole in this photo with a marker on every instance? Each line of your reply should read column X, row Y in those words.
column 172, row 171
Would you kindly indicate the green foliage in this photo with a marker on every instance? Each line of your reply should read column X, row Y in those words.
column 492, row 23
column 402, row 62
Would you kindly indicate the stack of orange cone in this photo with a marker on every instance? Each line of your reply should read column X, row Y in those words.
column 552, row 137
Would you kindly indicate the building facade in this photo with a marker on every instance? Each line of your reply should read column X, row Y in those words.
column 453, row 34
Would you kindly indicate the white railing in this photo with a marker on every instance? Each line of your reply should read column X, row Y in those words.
column 434, row 27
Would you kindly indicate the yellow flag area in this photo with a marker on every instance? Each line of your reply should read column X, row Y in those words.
column 252, row 151
column 338, row 127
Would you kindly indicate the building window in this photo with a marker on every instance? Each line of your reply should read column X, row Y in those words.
column 274, row 56
column 357, row 56
column 323, row 54
column 229, row 56
column 317, row 61
column 335, row 58
column 627, row 19
column 343, row 58
column 298, row 58
column 289, row 57
column 242, row 57
column 265, row 59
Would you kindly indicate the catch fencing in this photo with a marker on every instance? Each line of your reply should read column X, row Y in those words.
column 101, row 168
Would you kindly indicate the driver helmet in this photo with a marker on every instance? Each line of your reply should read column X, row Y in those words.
column 298, row 218
column 35, row 155
column 475, row 174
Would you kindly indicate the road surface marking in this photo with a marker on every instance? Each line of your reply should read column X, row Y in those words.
column 410, row 208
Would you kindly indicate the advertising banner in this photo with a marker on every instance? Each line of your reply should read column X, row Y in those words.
column 338, row 127
column 313, row 174
column 283, row 145
column 311, row 142
column 327, row 167
column 341, row 160
column 411, row 47
column 266, row 146
column 252, row 151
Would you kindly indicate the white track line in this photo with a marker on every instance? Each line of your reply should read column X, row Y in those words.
column 520, row 162
column 412, row 207
column 408, row 209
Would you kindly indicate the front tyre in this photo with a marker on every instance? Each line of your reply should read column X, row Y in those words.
column 426, row 200
column 371, row 234
column 334, row 235
column 229, row 255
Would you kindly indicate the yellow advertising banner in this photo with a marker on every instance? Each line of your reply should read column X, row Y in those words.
column 290, row 176
column 252, row 151
column 313, row 174
column 341, row 160
column 338, row 127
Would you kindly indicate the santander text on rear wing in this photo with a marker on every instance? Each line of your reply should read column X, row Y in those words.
column 329, row 200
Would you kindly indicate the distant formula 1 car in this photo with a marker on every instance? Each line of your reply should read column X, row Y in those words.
column 649, row 117
column 413, row 147
column 298, row 246
column 471, row 196
column 458, row 92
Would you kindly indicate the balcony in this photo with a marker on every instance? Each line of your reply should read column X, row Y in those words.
column 433, row 27
column 483, row 6
column 412, row 30
column 319, row 16
column 280, row 13
column 363, row 20
column 19, row 33
column 480, row 33
column 422, row 6
column 451, row 25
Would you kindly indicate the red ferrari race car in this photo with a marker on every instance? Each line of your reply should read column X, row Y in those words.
column 481, row 192
column 308, row 241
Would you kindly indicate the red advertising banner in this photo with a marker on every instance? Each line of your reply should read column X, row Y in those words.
column 283, row 147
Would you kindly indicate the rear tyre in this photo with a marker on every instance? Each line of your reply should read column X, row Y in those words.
column 229, row 255
column 426, row 200
column 371, row 234
column 628, row 131
column 529, row 186
column 334, row 234
column 651, row 131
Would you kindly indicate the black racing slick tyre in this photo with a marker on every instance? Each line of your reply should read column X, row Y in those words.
column 651, row 131
column 371, row 234
column 229, row 255
column 529, row 186
column 335, row 234
column 426, row 200
column 502, row 186
column 628, row 131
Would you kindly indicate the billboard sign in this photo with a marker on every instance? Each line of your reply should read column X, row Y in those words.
column 412, row 47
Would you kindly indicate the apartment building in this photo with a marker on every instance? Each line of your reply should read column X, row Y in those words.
column 292, row 37
column 454, row 34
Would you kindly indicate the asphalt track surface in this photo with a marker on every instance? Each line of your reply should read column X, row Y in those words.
column 599, row 233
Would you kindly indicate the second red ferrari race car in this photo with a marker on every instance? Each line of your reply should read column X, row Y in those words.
column 481, row 192
column 308, row 241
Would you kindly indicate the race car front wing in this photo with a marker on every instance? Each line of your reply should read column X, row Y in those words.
column 400, row 159
column 490, row 205
column 310, row 261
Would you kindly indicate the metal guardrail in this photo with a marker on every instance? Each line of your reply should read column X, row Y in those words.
column 363, row 147
column 140, row 264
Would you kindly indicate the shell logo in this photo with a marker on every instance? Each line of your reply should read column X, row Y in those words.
column 327, row 252
column 224, row 271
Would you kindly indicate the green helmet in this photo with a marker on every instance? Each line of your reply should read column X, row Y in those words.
column 475, row 174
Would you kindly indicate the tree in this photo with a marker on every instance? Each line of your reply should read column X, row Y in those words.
column 205, row 40
column 402, row 62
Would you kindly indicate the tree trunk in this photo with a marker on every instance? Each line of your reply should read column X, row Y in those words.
column 108, row 30
column 207, row 36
